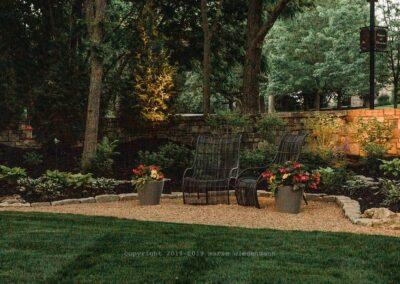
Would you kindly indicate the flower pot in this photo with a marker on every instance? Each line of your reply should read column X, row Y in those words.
column 288, row 200
column 150, row 192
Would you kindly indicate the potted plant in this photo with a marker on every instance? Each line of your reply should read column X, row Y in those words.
column 149, row 182
column 287, row 183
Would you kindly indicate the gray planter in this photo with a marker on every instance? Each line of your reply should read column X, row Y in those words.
column 287, row 200
column 150, row 193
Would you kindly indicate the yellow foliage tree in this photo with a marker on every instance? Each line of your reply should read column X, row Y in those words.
column 154, row 76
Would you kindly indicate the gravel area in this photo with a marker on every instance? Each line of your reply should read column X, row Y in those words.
column 317, row 216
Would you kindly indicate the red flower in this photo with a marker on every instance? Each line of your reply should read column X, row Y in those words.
column 267, row 174
column 283, row 170
column 313, row 186
column 136, row 172
column 154, row 168
column 296, row 165
column 141, row 167
column 304, row 178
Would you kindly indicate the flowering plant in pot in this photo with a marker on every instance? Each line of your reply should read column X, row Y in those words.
column 149, row 182
column 287, row 182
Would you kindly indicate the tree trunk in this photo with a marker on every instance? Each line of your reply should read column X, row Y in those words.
column 339, row 100
column 271, row 104
column 206, row 58
column 395, row 93
column 251, row 86
column 95, row 12
column 256, row 33
column 317, row 101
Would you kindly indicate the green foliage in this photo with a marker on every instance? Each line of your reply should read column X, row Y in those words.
column 57, row 185
column 10, row 176
column 374, row 131
column 333, row 180
column 68, row 180
column 373, row 136
column 391, row 169
column 172, row 158
column 104, row 184
column 375, row 152
column 42, row 189
column 324, row 139
column 317, row 52
column 313, row 160
column 383, row 100
column 32, row 159
column 228, row 122
column 260, row 157
column 268, row 126
column 102, row 163
column 391, row 192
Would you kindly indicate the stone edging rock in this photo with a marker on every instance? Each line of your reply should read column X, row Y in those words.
column 351, row 208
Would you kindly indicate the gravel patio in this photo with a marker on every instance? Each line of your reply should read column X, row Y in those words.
column 317, row 216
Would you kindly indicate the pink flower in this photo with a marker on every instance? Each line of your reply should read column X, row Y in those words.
column 313, row 186
column 304, row 178
column 267, row 174
column 283, row 170
column 136, row 172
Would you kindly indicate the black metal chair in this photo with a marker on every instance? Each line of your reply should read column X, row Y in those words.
column 214, row 171
column 250, row 180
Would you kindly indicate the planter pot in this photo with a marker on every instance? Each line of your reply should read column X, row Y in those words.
column 150, row 193
column 287, row 200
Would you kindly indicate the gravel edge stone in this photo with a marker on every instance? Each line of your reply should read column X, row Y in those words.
column 350, row 207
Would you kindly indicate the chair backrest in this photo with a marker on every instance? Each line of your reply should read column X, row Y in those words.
column 289, row 148
column 216, row 156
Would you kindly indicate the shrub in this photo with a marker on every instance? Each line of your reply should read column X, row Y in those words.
column 391, row 169
column 104, row 184
column 40, row 189
column 371, row 133
column 383, row 100
column 228, row 122
column 324, row 139
column 102, row 163
column 10, row 176
column 69, row 180
column 333, row 180
column 252, row 158
column 171, row 157
column 391, row 192
column 32, row 159
column 268, row 127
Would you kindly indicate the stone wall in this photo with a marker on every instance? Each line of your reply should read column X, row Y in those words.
column 21, row 137
column 185, row 129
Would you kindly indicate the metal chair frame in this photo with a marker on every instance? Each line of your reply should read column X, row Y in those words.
column 289, row 149
column 214, row 170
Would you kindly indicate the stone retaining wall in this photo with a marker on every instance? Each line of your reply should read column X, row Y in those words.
column 185, row 129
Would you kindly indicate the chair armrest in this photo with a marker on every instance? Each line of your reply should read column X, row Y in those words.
column 187, row 171
column 259, row 170
column 233, row 173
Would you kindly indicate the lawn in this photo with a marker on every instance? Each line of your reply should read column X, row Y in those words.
column 54, row 248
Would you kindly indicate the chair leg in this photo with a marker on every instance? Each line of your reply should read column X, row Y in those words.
column 305, row 199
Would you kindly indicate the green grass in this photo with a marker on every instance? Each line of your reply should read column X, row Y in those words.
column 57, row 248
